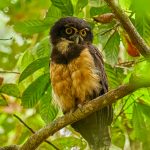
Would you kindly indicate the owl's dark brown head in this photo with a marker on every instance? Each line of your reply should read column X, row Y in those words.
column 72, row 29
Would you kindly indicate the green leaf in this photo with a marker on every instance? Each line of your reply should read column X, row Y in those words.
column 47, row 110
column 34, row 66
column 139, row 123
column 141, row 74
column 30, row 27
column 24, row 60
column 69, row 142
column 4, row 3
column 80, row 5
column 24, row 135
column 35, row 91
column 125, row 4
column 3, row 101
column 142, row 17
column 10, row 89
column 136, row 5
column 53, row 14
column 65, row 6
column 145, row 108
column 142, row 24
column 115, row 76
column 99, row 30
column 99, row 10
column 112, row 49
column 42, row 49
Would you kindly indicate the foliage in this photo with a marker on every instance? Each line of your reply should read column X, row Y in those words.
column 26, row 88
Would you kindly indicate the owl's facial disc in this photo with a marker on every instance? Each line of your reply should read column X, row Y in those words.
column 71, row 29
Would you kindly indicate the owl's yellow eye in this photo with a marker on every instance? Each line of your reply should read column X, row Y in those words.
column 69, row 30
column 83, row 32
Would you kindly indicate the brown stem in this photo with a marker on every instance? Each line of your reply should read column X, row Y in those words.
column 6, row 39
column 113, row 28
column 130, row 29
column 4, row 71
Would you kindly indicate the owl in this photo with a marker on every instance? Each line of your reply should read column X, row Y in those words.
column 78, row 76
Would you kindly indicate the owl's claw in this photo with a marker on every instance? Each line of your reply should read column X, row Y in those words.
column 69, row 112
column 80, row 106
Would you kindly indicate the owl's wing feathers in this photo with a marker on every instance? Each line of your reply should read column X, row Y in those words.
column 95, row 127
column 100, row 66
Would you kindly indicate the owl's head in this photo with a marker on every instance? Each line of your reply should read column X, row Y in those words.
column 72, row 29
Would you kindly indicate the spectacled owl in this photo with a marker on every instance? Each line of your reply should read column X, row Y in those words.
column 77, row 76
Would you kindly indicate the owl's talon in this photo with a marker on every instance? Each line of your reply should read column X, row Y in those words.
column 80, row 106
column 72, row 110
column 69, row 112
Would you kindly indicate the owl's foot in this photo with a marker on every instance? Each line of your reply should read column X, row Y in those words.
column 69, row 112
column 80, row 105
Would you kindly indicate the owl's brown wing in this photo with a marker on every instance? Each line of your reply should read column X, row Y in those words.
column 100, row 66
column 95, row 127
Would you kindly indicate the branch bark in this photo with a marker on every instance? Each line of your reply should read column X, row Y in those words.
column 36, row 139
column 130, row 29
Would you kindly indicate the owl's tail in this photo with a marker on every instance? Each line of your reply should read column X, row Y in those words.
column 95, row 128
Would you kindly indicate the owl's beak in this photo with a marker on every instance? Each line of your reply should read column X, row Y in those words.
column 76, row 38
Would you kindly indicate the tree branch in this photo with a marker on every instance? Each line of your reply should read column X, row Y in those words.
column 36, row 139
column 6, row 39
column 4, row 71
column 32, row 131
column 11, row 147
column 130, row 29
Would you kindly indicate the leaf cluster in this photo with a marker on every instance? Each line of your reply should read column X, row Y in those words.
column 29, row 53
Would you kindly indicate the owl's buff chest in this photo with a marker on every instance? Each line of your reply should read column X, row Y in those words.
column 74, row 82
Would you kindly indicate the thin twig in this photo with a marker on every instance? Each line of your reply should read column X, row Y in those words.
column 103, row 33
column 4, row 71
column 126, row 64
column 110, row 29
column 129, row 105
column 32, row 131
column 6, row 39
column 129, row 63
column 109, row 39
column 122, row 109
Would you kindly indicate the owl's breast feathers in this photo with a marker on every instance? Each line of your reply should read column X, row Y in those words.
column 74, row 75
